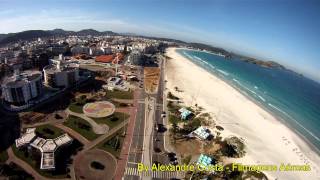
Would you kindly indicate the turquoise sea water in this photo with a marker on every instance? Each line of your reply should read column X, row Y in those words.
column 292, row 97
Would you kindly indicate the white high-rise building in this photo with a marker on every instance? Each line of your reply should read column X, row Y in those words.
column 22, row 87
column 61, row 73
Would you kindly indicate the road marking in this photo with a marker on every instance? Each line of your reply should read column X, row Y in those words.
column 154, row 174
column 132, row 162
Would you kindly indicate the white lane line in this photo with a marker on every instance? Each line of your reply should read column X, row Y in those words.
column 132, row 162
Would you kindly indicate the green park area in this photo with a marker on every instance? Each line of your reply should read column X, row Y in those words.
column 48, row 131
column 81, row 126
column 12, row 171
column 32, row 156
column 113, row 143
column 78, row 103
column 112, row 120
column 74, row 107
column 119, row 94
column 3, row 156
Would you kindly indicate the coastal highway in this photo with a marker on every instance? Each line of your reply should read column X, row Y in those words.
column 136, row 147
column 159, row 136
column 146, row 138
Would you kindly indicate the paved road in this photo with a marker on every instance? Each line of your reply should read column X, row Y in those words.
column 159, row 137
column 136, row 146
column 152, row 174
column 152, row 106
column 122, row 162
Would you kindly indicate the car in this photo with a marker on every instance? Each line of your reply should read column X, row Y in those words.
column 175, row 162
column 156, row 162
column 161, row 128
column 172, row 159
column 157, row 150
column 171, row 155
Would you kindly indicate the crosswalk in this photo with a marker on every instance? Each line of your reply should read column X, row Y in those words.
column 154, row 174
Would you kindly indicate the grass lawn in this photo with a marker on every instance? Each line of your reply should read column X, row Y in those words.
column 173, row 107
column 13, row 171
column 119, row 104
column 62, row 159
column 30, row 158
column 112, row 120
column 173, row 119
column 113, row 144
column 3, row 156
column 186, row 160
column 22, row 154
column 119, row 94
column 48, row 131
column 81, row 126
column 76, row 108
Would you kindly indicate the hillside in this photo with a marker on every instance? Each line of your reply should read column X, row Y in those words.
column 32, row 34
column 209, row 48
column 25, row 35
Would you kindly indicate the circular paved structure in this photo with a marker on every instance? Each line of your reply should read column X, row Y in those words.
column 98, row 109
column 84, row 170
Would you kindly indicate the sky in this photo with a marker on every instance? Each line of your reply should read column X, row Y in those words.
column 285, row 31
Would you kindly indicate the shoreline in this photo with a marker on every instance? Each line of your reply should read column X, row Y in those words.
column 265, row 116
column 276, row 116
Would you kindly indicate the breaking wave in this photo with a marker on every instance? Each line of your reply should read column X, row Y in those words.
column 286, row 114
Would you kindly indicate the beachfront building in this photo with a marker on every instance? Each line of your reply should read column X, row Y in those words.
column 61, row 73
column 47, row 147
column 204, row 161
column 202, row 133
column 185, row 113
column 20, row 88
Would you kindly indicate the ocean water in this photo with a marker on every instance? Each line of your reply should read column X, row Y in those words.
column 288, row 95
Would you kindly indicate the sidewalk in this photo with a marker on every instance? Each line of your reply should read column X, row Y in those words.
column 122, row 162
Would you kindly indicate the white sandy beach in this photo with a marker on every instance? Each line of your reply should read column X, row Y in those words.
column 268, row 141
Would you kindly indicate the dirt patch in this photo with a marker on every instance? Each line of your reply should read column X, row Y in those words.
column 212, row 148
column 151, row 79
column 32, row 117
column 83, row 165
column 190, row 147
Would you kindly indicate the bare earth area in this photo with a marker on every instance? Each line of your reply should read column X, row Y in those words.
column 84, row 170
column 151, row 79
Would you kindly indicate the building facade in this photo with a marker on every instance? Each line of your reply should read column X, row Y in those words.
column 61, row 73
column 20, row 88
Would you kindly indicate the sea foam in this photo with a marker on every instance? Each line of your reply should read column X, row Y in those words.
column 286, row 114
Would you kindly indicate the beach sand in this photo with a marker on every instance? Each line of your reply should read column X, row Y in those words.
column 267, row 140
